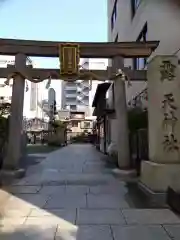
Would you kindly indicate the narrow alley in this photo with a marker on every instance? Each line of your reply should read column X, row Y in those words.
column 72, row 194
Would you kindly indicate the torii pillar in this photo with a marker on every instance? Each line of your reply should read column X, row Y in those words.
column 11, row 162
column 121, row 116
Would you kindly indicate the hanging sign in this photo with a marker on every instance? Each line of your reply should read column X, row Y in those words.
column 69, row 57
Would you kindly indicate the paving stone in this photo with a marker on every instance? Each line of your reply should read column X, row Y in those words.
column 88, row 179
column 102, row 171
column 17, row 203
column 46, row 179
column 150, row 216
column 77, row 189
column 65, row 214
column 49, row 190
column 67, row 201
column 22, row 189
column 139, row 232
column 84, row 233
column 40, row 155
column 173, row 231
column 68, row 232
column 14, row 213
column 71, row 168
column 44, row 220
column 12, row 221
column 93, row 167
column 71, row 171
column 28, row 232
column 23, row 201
column 21, row 182
column 102, row 217
column 109, row 189
column 99, row 195
column 34, row 199
column 47, row 221
column 106, row 201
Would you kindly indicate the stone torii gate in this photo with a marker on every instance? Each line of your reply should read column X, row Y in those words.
column 69, row 54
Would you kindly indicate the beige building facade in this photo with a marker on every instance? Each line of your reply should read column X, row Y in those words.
column 138, row 20
column 142, row 20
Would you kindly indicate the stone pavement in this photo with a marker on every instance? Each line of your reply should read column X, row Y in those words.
column 72, row 195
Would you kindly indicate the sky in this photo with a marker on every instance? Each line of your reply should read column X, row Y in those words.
column 55, row 20
column 58, row 20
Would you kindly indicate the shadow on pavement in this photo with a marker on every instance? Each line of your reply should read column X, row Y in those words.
column 137, row 199
column 41, row 211
column 30, row 160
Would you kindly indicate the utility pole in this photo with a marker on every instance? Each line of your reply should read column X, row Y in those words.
column 52, row 106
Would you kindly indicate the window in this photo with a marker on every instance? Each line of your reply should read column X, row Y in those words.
column 74, row 123
column 114, row 15
column 86, row 98
column 134, row 6
column 140, row 63
column 86, row 125
column 72, row 107
column 70, row 91
column 70, row 99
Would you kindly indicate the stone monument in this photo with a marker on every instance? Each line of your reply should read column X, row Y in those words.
column 163, row 168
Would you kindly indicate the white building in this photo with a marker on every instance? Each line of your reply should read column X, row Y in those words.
column 33, row 93
column 79, row 95
column 76, row 94
column 6, row 90
column 37, row 95
column 143, row 20
column 82, row 92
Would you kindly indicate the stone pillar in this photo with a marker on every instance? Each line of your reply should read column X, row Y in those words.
column 121, row 116
column 11, row 161
column 163, row 167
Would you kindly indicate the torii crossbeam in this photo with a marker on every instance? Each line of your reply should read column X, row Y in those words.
column 23, row 48
column 87, row 50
